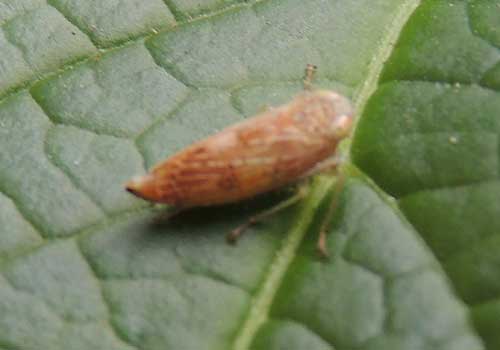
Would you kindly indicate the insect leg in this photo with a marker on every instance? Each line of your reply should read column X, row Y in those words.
column 326, row 165
column 167, row 215
column 321, row 245
column 233, row 236
column 309, row 76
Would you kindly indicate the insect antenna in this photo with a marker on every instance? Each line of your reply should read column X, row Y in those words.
column 309, row 76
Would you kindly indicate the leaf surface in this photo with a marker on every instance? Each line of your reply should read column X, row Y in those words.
column 95, row 92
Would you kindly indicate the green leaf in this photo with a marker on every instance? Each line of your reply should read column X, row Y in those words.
column 429, row 137
column 95, row 92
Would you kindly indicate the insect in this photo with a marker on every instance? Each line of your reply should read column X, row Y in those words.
column 275, row 148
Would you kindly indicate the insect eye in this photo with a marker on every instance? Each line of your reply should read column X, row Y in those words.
column 342, row 115
column 342, row 126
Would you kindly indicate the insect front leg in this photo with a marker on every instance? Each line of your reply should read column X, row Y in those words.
column 235, row 234
column 168, row 214
column 326, row 165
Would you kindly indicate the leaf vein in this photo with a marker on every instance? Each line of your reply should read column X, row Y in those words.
column 119, row 335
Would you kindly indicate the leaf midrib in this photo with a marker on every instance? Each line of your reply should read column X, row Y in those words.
column 263, row 299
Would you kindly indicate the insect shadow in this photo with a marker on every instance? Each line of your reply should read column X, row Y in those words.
column 224, row 216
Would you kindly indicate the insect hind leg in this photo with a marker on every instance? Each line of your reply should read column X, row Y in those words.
column 235, row 234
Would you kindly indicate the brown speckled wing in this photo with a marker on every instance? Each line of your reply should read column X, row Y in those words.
column 250, row 159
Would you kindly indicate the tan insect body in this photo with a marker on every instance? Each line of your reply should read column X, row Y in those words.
column 262, row 153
